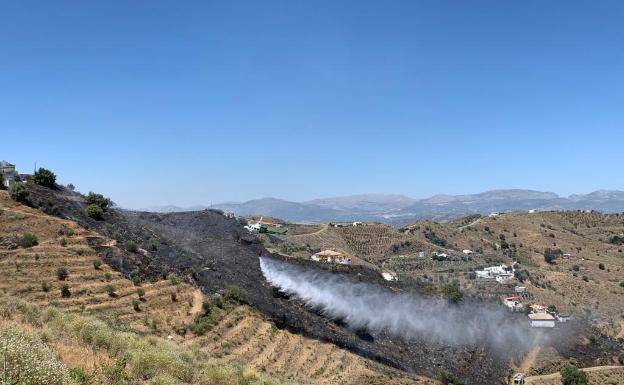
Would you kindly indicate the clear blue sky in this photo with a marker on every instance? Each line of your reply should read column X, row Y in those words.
column 169, row 102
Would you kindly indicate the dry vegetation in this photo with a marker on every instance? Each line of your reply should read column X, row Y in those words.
column 96, row 331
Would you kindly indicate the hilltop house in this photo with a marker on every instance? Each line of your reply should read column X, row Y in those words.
column 330, row 256
column 513, row 303
column 494, row 271
column 7, row 173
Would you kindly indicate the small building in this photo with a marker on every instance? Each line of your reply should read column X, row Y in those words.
column 7, row 173
column 389, row 276
column 467, row 252
column 541, row 320
column 330, row 256
column 504, row 277
column 513, row 303
column 494, row 214
column 564, row 317
column 520, row 289
column 538, row 308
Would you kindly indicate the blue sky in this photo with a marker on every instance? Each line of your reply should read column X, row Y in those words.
column 167, row 102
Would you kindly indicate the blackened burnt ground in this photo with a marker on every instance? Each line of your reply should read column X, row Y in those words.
column 216, row 252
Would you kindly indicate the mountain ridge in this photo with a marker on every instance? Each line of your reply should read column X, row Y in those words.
column 400, row 209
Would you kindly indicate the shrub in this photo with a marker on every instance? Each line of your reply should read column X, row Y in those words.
column 174, row 296
column 27, row 361
column 28, row 240
column 235, row 293
column 550, row 255
column 136, row 305
column 79, row 376
column 44, row 177
column 94, row 211
column 66, row 231
column 571, row 375
column 141, row 293
column 585, row 278
column 110, row 289
column 131, row 246
column 19, row 192
column 447, row 378
column 576, row 268
column 601, row 266
column 97, row 264
column 46, row 286
column 63, row 242
column 99, row 200
column 617, row 240
column 452, row 293
column 62, row 273
column 65, row 293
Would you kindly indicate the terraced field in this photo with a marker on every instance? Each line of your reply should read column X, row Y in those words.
column 244, row 336
column 24, row 271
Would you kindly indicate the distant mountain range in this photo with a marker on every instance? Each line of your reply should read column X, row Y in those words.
column 399, row 209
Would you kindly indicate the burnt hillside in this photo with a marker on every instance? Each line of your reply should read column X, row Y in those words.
column 214, row 251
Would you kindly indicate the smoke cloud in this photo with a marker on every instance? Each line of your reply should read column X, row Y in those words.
column 362, row 305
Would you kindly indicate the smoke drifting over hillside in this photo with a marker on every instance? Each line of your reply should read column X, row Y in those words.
column 406, row 316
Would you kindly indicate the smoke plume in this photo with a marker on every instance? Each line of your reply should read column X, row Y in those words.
column 361, row 305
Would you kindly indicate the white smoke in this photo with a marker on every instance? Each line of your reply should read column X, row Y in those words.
column 362, row 305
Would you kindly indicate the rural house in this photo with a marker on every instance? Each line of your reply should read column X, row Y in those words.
column 7, row 173
column 541, row 320
column 330, row 256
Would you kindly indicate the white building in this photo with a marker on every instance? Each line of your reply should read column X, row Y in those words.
column 494, row 271
column 513, row 303
column 520, row 289
column 330, row 256
column 564, row 317
column 504, row 277
column 467, row 252
column 541, row 320
column 389, row 276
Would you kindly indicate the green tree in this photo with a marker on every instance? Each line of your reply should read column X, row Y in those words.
column 94, row 211
column 110, row 289
column 571, row 375
column 44, row 177
column 65, row 293
column 452, row 293
column 98, row 199
column 131, row 246
column 141, row 293
column 19, row 192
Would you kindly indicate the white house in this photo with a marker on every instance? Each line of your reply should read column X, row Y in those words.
column 389, row 276
column 504, row 277
column 494, row 271
column 330, row 256
column 520, row 289
column 513, row 303
column 541, row 320
column 467, row 252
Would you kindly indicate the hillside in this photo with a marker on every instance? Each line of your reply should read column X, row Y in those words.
column 240, row 336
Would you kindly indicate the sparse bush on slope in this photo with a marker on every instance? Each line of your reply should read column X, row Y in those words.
column 27, row 361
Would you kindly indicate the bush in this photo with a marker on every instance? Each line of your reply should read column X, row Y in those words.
column 65, row 293
column 433, row 237
column 62, row 273
column 601, row 266
column 94, row 211
column 79, row 376
column 110, row 289
column 27, row 361
column 447, row 378
column 617, row 240
column 97, row 264
column 44, row 177
column 235, row 293
column 585, row 278
column 131, row 246
column 66, row 231
column 19, row 193
column 174, row 296
column 550, row 255
column 452, row 293
column 141, row 293
column 576, row 268
column 63, row 242
column 136, row 305
column 99, row 200
column 28, row 240
column 571, row 375
column 45, row 286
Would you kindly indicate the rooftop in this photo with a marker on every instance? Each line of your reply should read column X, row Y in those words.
column 541, row 317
